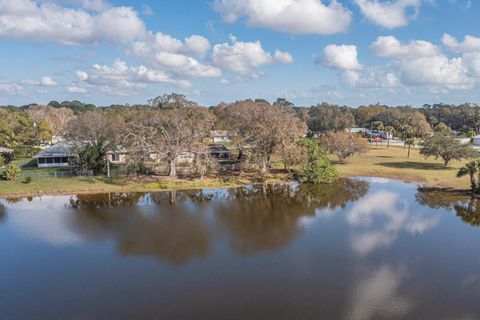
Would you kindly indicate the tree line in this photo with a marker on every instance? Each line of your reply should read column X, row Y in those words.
column 171, row 125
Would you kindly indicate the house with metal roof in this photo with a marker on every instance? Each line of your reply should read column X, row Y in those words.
column 59, row 155
column 118, row 155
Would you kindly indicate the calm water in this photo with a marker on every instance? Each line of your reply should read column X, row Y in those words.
column 357, row 250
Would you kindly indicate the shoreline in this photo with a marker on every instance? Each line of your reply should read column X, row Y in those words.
column 182, row 185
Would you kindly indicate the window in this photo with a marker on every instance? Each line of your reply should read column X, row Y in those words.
column 114, row 157
column 49, row 160
column 57, row 160
column 41, row 160
column 65, row 160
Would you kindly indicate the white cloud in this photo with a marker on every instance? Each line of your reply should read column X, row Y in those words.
column 390, row 47
column 469, row 44
column 388, row 14
column 174, row 56
column 47, row 81
column 10, row 88
column 123, row 80
column 421, row 63
column 241, row 57
column 344, row 57
column 96, row 5
column 197, row 45
column 291, row 16
column 82, row 75
column 283, row 57
column 75, row 89
column 29, row 20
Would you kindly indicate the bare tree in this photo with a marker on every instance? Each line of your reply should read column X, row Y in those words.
column 263, row 129
column 344, row 145
column 57, row 118
column 92, row 126
column 167, row 133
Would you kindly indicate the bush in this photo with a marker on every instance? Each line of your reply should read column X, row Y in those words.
column 318, row 168
column 11, row 172
column 28, row 180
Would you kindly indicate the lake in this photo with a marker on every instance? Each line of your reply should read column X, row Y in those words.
column 358, row 249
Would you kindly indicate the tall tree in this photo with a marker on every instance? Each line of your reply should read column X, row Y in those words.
column 167, row 133
column 263, row 129
column 325, row 117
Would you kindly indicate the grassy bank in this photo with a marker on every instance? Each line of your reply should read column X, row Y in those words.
column 379, row 162
column 77, row 185
column 393, row 163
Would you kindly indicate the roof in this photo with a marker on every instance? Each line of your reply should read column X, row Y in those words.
column 357, row 130
column 5, row 150
column 220, row 133
column 118, row 150
column 58, row 150
column 218, row 148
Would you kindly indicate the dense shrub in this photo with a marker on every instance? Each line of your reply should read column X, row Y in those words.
column 11, row 172
column 318, row 168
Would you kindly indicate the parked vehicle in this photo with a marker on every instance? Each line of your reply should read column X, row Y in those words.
column 376, row 140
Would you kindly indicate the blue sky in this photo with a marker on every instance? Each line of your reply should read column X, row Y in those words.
column 346, row 51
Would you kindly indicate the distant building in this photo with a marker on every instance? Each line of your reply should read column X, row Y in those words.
column 59, row 155
column 221, row 136
column 220, row 152
column 117, row 156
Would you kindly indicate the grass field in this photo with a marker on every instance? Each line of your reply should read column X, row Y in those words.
column 393, row 163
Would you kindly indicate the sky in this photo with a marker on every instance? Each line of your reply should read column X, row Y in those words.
column 348, row 52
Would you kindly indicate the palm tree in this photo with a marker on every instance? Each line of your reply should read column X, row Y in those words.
column 389, row 130
column 470, row 169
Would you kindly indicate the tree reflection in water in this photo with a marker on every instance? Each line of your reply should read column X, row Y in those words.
column 466, row 208
column 2, row 212
column 181, row 226
column 176, row 234
column 267, row 217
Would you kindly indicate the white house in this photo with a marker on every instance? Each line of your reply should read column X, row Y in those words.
column 117, row 156
column 59, row 155
column 219, row 136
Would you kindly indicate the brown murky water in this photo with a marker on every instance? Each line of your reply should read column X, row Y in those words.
column 359, row 249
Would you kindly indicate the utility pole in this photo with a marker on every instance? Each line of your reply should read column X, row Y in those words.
column 108, row 167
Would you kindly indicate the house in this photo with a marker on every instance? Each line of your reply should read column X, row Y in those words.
column 58, row 155
column 359, row 131
column 117, row 156
column 220, row 152
column 220, row 136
